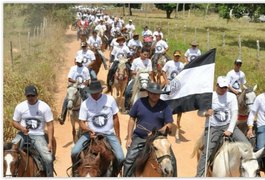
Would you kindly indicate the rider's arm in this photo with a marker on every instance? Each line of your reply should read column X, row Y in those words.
column 168, row 125
column 19, row 127
column 130, row 128
column 116, row 125
column 84, row 127
column 165, row 77
column 71, row 80
column 50, row 129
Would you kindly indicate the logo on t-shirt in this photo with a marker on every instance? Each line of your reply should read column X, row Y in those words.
column 100, row 120
column 159, row 48
column 174, row 87
column 236, row 85
column 221, row 115
column 32, row 123
column 173, row 74
column 193, row 57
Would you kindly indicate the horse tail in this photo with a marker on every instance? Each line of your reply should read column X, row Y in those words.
column 198, row 147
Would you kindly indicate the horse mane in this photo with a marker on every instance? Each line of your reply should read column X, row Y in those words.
column 238, row 148
column 136, row 88
column 8, row 146
column 147, row 151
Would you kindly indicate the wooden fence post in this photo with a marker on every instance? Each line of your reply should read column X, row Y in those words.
column 19, row 42
column 258, row 49
column 223, row 40
column 239, row 47
column 195, row 33
column 11, row 55
column 28, row 43
column 208, row 39
column 184, row 34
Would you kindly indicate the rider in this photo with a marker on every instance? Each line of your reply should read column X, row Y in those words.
column 98, row 114
column 78, row 74
column 30, row 118
column 236, row 78
column 142, row 62
column 158, row 31
column 89, row 58
column 95, row 43
column 170, row 70
column 258, row 109
column 130, row 28
column 192, row 52
column 149, row 112
column 118, row 52
column 134, row 44
column 146, row 32
column 222, row 120
column 101, row 28
column 82, row 24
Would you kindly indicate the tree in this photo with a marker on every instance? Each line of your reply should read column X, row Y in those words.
column 254, row 11
column 130, row 6
column 170, row 7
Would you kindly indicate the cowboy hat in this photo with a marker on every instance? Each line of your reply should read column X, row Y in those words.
column 194, row 43
column 94, row 87
column 121, row 38
column 155, row 88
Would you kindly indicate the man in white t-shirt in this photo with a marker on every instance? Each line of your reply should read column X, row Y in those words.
column 120, row 51
column 130, row 28
column 134, row 44
column 193, row 52
column 170, row 70
column 30, row 118
column 78, row 74
column 222, row 118
column 89, row 58
column 98, row 114
column 95, row 44
column 158, row 31
column 236, row 78
column 143, row 62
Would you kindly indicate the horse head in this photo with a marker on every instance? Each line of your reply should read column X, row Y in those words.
column 10, row 160
column 73, row 96
column 246, row 99
column 90, row 166
column 143, row 78
column 122, row 73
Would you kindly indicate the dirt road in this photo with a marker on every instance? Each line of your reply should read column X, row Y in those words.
column 191, row 124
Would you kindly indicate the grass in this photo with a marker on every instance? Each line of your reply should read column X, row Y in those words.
column 180, row 31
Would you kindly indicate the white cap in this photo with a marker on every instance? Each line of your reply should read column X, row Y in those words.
column 222, row 81
column 78, row 59
column 238, row 61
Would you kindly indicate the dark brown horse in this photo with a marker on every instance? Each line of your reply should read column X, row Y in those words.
column 155, row 159
column 98, row 160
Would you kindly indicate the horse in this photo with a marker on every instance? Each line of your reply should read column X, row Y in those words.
column 155, row 158
column 21, row 163
column 245, row 102
column 99, row 60
column 120, row 81
column 82, row 34
column 141, row 80
column 158, row 64
column 98, row 160
column 233, row 159
column 73, row 106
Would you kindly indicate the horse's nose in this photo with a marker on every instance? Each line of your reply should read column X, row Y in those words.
column 70, row 105
column 168, row 172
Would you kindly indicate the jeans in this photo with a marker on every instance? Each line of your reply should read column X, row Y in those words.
column 260, row 134
column 41, row 146
column 215, row 133
column 136, row 147
column 111, row 138
column 112, row 70
column 93, row 74
column 128, row 94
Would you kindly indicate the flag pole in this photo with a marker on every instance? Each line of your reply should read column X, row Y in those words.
column 207, row 148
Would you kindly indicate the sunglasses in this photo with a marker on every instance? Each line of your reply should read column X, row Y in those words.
column 31, row 95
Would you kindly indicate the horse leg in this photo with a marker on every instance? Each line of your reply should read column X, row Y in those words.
column 73, row 129
column 178, row 127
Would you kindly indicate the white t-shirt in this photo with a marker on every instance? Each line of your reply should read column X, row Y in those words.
column 35, row 116
column 94, row 42
column 101, row 28
column 157, row 33
column 99, row 114
column 133, row 43
column 114, row 43
column 88, row 56
column 259, row 108
column 172, row 69
column 130, row 27
column 191, row 54
column 139, row 64
column 119, row 51
column 223, row 107
column 160, row 47
column 236, row 79
column 147, row 33
column 81, row 74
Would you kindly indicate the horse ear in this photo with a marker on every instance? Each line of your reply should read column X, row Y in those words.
column 167, row 131
column 260, row 153
column 244, row 86
column 255, row 87
column 98, row 156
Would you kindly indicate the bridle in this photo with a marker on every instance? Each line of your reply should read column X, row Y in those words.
column 17, row 164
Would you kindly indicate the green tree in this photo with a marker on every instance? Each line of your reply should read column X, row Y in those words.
column 170, row 7
column 130, row 6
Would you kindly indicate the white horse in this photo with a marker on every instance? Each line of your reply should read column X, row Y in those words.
column 74, row 101
column 141, row 81
column 236, row 159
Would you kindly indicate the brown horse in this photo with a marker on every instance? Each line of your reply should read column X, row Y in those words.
column 158, row 63
column 155, row 159
column 20, row 163
column 120, row 81
column 98, row 160
column 96, row 66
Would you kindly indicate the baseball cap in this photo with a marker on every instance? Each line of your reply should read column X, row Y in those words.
column 30, row 90
column 78, row 59
column 222, row 81
column 130, row 20
column 177, row 53
column 83, row 44
column 237, row 61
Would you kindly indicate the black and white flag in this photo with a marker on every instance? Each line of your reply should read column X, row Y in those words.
column 192, row 88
